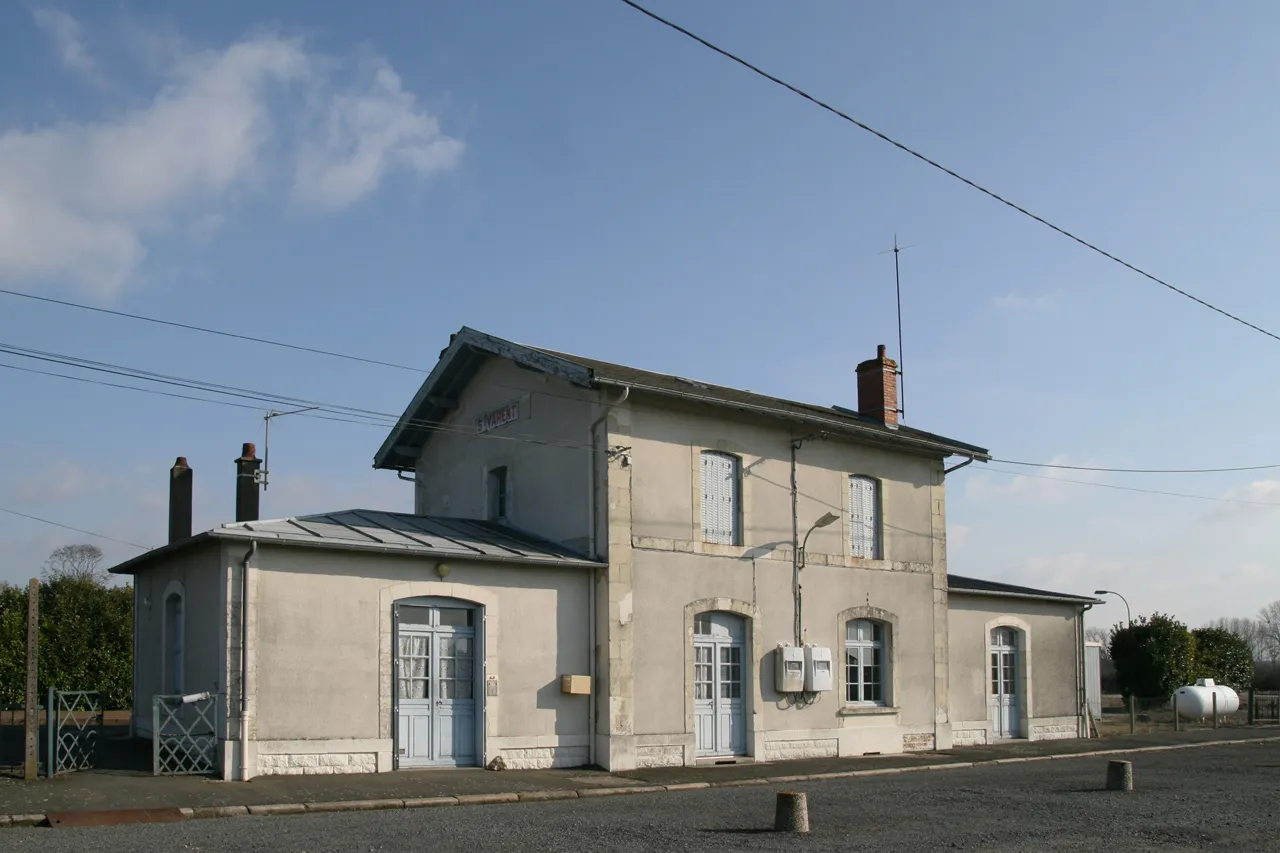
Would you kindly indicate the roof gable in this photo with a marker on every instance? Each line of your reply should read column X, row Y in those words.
column 468, row 350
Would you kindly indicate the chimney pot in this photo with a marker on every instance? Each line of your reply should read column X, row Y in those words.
column 247, row 494
column 180, row 481
column 878, row 388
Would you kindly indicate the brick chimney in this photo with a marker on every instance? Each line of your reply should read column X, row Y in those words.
column 180, row 480
column 878, row 388
column 246, row 483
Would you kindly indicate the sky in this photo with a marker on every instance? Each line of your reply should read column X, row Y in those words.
column 370, row 178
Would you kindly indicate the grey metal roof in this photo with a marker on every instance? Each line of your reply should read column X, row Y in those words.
column 469, row 349
column 956, row 583
column 394, row 533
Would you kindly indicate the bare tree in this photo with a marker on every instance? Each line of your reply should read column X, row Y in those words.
column 77, row 562
column 1246, row 629
column 1269, row 630
column 1099, row 635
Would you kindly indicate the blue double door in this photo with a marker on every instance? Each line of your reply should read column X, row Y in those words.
column 435, row 681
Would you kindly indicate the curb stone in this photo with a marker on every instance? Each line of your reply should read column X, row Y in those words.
column 203, row 812
column 278, row 808
column 627, row 789
column 430, row 802
column 355, row 805
column 486, row 799
column 543, row 796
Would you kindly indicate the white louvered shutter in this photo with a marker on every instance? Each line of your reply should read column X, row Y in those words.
column 864, row 517
column 719, row 498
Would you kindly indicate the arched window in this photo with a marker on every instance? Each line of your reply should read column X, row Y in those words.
column 721, row 498
column 866, row 667
column 174, row 633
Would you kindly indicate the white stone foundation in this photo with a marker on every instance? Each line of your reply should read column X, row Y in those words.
column 317, row 764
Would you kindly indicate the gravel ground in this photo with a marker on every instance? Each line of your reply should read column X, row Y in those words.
column 1214, row 797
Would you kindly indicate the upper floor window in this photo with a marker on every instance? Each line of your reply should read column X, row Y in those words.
column 721, row 493
column 865, row 644
column 499, row 494
column 864, row 517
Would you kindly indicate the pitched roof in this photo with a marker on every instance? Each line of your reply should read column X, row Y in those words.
column 390, row 532
column 469, row 349
column 974, row 586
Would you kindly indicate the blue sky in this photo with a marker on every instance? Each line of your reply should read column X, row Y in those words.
column 573, row 175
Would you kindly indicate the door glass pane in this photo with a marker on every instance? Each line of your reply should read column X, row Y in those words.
column 455, row 617
column 702, row 672
column 462, row 647
column 995, row 672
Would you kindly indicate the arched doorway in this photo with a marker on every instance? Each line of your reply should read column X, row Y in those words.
column 1005, row 700
column 438, row 704
column 719, row 684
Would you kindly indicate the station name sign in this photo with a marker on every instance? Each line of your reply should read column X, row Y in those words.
column 498, row 417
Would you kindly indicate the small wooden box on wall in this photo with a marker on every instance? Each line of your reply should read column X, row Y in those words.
column 575, row 685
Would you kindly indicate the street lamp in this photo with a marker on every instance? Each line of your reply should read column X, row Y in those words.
column 1127, row 612
column 822, row 522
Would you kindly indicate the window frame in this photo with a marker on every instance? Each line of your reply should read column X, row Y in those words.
column 498, row 493
column 736, row 532
column 175, row 634
column 877, row 544
column 884, row 664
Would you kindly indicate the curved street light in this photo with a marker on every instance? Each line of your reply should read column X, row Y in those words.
column 822, row 522
column 1127, row 612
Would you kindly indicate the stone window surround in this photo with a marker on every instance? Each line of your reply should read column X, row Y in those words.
column 889, row 679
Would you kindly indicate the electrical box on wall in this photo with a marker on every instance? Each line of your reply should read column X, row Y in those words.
column 817, row 669
column 788, row 669
column 575, row 685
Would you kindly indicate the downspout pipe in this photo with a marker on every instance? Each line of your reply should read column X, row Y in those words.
column 592, row 576
column 244, row 659
column 1081, row 685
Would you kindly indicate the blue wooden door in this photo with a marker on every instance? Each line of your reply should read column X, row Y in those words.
column 719, row 689
column 435, row 678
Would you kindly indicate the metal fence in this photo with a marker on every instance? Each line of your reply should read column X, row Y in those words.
column 184, row 735
column 75, row 725
column 1150, row 715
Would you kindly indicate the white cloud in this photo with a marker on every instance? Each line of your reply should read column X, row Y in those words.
column 366, row 133
column 68, row 39
column 1025, row 303
column 64, row 480
column 80, row 202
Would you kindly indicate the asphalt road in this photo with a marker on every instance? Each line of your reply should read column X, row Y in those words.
column 1213, row 797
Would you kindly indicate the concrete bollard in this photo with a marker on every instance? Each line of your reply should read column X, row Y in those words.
column 1119, row 776
column 791, row 813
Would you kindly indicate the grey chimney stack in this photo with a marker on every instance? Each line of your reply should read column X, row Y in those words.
column 247, row 467
column 180, row 481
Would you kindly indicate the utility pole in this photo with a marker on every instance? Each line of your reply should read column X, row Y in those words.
column 32, row 717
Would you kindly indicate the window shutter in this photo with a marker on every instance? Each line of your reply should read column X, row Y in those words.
column 864, row 517
column 719, row 498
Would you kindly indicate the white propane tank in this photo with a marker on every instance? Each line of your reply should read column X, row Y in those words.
column 1197, row 700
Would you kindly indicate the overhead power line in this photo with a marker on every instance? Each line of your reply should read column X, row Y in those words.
column 935, row 164
column 76, row 529
column 1137, row 470
column 191, row 328
column 1135, row 489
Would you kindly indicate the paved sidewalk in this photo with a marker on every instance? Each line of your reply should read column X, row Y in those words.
column 103, row 790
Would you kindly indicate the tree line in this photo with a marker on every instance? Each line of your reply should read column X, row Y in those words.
column 1156, row 655
column 85, row 631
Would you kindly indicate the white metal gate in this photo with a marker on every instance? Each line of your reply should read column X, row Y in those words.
column 435, row 685
column 73, row 719
column 719, row 693
column 184, row 735
column 1004, row 682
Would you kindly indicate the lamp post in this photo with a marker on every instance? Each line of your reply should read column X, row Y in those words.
column 1127, row 612
column 797, row 556
column 822, row 522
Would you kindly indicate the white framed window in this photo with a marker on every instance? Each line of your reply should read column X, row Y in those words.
column 721, row 498
column 866, row 669
column 864, row 517
column 499, row 493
